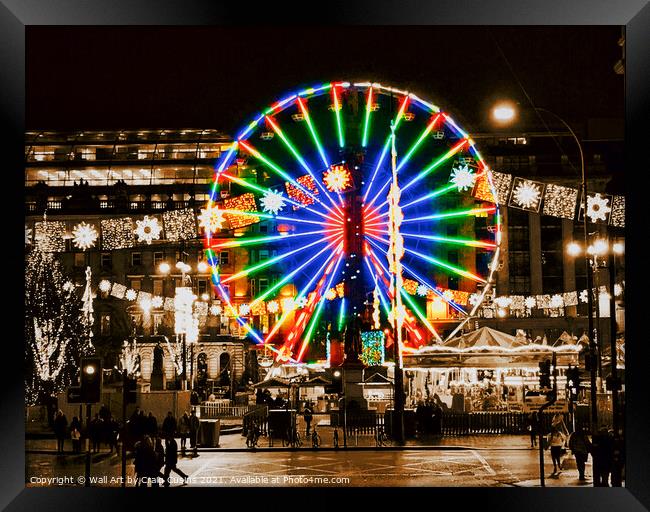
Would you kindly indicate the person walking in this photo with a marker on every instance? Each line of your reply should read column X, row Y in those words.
column 194, row 432
column 602, row 450
column 184, row 430
column 95, row 431
column 152, row 426
column 75, row 434
column 60, row 427
column 580, row 446
column 308, row 415
column 171, row 459
column 169, row 426
column 159, row 451
column 556, row 442
column 145, row 463
column 533, row 423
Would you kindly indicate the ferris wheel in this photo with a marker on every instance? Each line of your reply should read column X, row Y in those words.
column 303, row 194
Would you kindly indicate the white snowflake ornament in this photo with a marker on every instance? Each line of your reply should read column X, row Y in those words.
column 148, row 229
column 422, row 290
column 301, row 302
column 530, row 302
column 526, row 194
column 583, row 296
column 211, row 218
column 598, row 208
column 84, row 236
column 272, row 202
column 463, row 178
column 131, row 294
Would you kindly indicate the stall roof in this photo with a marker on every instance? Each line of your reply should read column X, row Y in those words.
column 378, row 378
column 484, row 337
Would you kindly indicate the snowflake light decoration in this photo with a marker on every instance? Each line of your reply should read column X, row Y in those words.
column 557, row 301
column 598, row 208
column 68, row 286
column 331, row 294
column 131, row 294
column 422, row 290
column 288, row 304
column 28, row 236
column 583, row 296
column 463, row 178
column 148, row 229
column 211, row 218
column 272, row 202
column 301, row 302
column 473, row 299
column 84, row 236
column 273, row 306
column 530, row 302
column 526, row 194
column 215, row 310
column 503, row 301
column 618, row 290
column 337, row 178
column 105, row 286
column 447, row 294
column 157, row 302
column 244, row 309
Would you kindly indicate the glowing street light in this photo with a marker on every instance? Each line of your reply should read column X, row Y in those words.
column 574, row 249
column 504, row 112
column 164, row 268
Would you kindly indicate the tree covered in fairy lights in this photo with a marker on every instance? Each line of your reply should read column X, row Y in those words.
column 56, row 335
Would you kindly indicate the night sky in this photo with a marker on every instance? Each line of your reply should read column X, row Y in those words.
column 212, row 77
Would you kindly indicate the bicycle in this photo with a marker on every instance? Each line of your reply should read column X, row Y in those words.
column 315, row 439
column 252, row 438
column 381, row 438
column 292, row 438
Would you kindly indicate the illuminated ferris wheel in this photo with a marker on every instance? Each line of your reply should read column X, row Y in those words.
column 304, row 190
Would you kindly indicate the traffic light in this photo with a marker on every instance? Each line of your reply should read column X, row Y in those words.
column 545, row 374
column 130, row 390
column 91, row 380
column 573, row 381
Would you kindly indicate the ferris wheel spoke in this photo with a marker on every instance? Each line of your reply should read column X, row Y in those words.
column 303, row 292
column 292, row 148
column 438, row 192
column 366, row 122
column 436, row 163
column 264, row 190
column 288, row 277
column 444, row 264
column 415, row 146
column 384, row 150
column 425, row 282
column 272, row 261
column 312, row 131
column 376, row 278
column 282, row 173
column 337, row 112
column 316, row 316
column 468, row 242
column 445, row 215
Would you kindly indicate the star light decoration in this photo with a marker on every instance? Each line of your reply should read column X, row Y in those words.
column 148, row 229
column 211, row 218
column 215, row 310
column 68, row 286
column 244, row 309
column 131, row 294
column 557, row 301
column 157, row 302
column 273, row 306
column 530, row 302
column 301, row 302
column 337, row 178
column 463, row 178
column 583, row 296
column 422, row 290
column 526, row 194
column 272, row 202
column 598, row 207
column 84, row 236
column 473, row 299
column 105, row 286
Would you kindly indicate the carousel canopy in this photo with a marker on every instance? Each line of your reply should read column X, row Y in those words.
column 565, row 339
column 484, row 337
column 377, row 379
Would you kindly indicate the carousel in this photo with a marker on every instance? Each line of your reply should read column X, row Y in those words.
column 484, row 370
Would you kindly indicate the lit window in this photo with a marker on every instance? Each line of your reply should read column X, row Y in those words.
column 136, row 284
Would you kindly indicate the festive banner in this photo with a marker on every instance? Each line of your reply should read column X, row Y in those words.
column 526, row 195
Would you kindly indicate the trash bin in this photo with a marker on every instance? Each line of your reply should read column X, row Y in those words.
column 209, row 433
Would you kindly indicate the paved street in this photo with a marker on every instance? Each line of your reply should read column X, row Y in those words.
column 467, row 461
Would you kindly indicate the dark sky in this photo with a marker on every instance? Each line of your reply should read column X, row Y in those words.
column 211, row 77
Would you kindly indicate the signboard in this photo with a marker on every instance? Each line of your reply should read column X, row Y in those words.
column 74, row 395
column 534, row 402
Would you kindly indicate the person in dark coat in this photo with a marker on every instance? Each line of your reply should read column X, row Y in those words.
column 169, row 426
column 95, row 432
column 308, row 415
column 194, row 432
column 75, row 434
column 159, row 451
column 171, row 459
column 143, row 454
column 152, row 426
column 533, row 424
column 60, row 426
column 184, row 430
column 580, row 446
column 602, row 451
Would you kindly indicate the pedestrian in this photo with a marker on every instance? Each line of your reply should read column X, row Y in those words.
column 140, row 461
column 152, row 426
column 336, row 437
column 602, row 452
column 558, row 422
column 95, row 430
column 112, row 431
column 533, row 423
column 308, row 415
column 171, row 459
column 159, row 459
column 556, row 442
column 169, row 426
column 194, row 432
column 60, row 427
column 184, row 430
column 580, row 446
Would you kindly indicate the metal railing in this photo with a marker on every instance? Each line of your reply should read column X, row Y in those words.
column 260, row 416
column 215, row 410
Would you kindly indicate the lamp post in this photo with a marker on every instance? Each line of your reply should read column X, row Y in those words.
column 505, row 113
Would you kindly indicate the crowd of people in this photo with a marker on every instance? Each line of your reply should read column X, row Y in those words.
column 102, row 429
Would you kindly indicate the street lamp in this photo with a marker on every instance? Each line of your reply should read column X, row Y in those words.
column 502, row 115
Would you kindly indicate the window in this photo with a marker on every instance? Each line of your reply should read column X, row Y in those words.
column 202, row 286
column 106, row 260
column 136, row 258
column 105, row 324
column 158, row 256
column 136, row 284
column 224, row 257
column 79, row 259
column 263, row 284
column 264, row 254
column 264, row 228
column 157, row 286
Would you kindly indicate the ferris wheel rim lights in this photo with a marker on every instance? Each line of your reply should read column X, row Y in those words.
column 318, row 196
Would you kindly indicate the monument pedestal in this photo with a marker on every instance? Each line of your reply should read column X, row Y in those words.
column 352, row 382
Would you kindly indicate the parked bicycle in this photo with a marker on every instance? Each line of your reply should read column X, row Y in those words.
column 292, row 438
column 253, row 436
column 381, row 438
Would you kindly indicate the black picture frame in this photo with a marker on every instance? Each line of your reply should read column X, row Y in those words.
column 16, row 15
